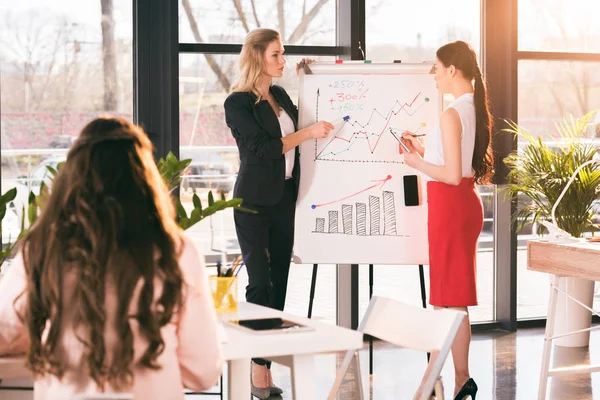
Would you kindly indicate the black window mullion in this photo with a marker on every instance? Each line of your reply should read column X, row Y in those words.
column 500, row 65
column 156, row 72
column 223, row 48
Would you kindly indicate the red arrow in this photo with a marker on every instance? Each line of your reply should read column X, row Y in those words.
column 379, row 183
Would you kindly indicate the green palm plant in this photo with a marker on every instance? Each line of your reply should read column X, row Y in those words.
column 540, row 173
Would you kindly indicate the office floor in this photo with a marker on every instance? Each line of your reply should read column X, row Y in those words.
column 505, row 366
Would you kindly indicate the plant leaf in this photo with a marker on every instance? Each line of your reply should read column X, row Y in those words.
column 539, row 173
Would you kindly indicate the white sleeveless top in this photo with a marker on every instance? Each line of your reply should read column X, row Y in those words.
column 287, row 128
column 434, row 149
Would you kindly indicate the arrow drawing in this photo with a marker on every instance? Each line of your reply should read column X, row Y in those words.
column 379, row 183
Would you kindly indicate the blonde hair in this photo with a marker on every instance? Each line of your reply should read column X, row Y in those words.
column 251, row 64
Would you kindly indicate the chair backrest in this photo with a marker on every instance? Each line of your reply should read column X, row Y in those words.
column 103, row 396
column 408, row 326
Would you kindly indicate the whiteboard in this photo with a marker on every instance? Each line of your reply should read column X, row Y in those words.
column 351, row 205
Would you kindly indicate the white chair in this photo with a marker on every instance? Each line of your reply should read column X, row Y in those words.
column 411, row 327
column 104, row 396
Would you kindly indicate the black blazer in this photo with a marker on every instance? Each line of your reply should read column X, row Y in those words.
column 256, row 129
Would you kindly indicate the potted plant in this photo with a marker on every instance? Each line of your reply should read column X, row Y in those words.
column 538, row 174
column 170, row 169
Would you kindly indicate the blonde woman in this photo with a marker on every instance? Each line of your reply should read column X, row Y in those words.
column 264, row 122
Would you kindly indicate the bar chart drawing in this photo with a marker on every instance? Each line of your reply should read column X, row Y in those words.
column 389, row 214
column 362, row 219
column 333, row 222
column 374, row 214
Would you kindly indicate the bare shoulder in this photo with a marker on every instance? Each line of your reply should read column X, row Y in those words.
column 450, row 121
column 450, row 116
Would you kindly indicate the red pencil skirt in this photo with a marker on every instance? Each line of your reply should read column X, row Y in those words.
column 455, row 220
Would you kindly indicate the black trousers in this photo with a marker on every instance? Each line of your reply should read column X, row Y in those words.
column 266, row 240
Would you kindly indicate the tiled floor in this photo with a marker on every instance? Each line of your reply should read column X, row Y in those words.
column 505, row 366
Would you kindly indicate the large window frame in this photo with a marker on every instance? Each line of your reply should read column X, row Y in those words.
column 156, row 65
column 157, row 48
column 542, row 56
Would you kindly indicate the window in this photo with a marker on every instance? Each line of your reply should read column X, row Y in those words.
column 548, row 91
column 59, row 69
column 299, row 22
column 412, row 31
column 559, row 25
column 207, row 141
column 205, row 80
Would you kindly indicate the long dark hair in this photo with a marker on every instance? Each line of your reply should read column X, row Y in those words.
column 108, row 224
column 463, row 57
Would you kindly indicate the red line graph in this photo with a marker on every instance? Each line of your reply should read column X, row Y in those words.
column 379, row 183
column 387, row 118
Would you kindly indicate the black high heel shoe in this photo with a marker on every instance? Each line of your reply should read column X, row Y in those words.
column 468, row 389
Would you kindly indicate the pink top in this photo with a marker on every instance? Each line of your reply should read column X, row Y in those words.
column 191, row 357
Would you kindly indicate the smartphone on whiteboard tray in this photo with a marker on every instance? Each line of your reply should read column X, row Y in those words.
column 412, row 195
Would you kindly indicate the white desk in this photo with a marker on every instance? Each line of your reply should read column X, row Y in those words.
column 293, row 349
column 13, row 369
column 562, row 260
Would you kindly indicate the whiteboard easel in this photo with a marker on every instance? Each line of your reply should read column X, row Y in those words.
column 351, row 206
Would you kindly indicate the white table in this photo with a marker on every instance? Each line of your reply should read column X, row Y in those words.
column 293, row 349
column 562, row 260
column 13, row 369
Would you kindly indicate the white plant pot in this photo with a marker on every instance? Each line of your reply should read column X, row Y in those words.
column 571, row 316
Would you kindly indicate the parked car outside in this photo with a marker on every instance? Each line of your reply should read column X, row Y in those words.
column 208, row 170
column 62, row 141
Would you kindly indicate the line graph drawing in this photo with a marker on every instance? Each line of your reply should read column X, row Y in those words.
column 370, row 134
column 355, row 220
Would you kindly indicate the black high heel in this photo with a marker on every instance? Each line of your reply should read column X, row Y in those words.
column 468, row 389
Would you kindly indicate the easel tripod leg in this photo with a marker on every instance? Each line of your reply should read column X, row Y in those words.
column 313, row 284
column 370, row 338
column 423, row 293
